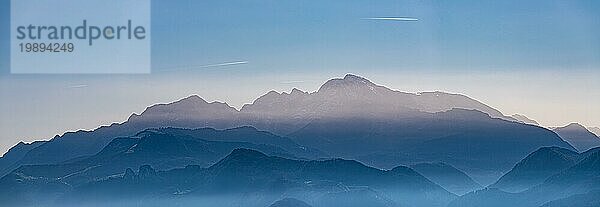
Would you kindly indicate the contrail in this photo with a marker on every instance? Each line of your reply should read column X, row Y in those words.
column 185, row 67
column 78, row 86
column 392, row 18
column 292, row 82
column 224, row 64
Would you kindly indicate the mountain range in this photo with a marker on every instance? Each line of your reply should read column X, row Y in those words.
column 346, row 144
column 165, row 149
column 447, row 176
column 536, row 168
column 548, row 177
column 242, row 178
column 348, row 117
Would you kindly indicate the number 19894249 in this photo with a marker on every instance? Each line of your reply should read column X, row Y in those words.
column 47, row 47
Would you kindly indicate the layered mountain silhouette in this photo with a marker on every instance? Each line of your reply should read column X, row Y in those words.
column 467, row 139
column 571, row 184
column 247, row 134
column 243, row 178
column 448, row 177
column 578, row 136
column 348, row 117
column 536, row 168
column 163, row 149
column 15, row 154
column 345, row 144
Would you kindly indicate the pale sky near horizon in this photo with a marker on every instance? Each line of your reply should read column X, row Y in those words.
column 536, row 58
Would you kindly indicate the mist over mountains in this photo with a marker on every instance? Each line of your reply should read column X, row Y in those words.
column 548, row 177
column 346, row 144
column 452, row 179
column 536, row 168
column 244, row 177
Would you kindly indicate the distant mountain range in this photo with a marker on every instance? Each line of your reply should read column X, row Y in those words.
column 524, row 119
column 165, row 149
column 455, row 137
column 548, row 177
column 349, row 117
column 243, row 178
column 578, row 136
column 343, row 145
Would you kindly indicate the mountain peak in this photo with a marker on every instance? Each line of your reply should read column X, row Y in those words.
column 547, row 157
column 348, row 82
column 352, row 77
column 573, row 126
column 192, row 99
column 536, row 168
column 578, row 136
column 296, row 91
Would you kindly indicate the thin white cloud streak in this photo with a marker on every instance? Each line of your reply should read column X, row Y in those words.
column 293, row 82
column 189, row 67
column 78, row 86
column 410, row 19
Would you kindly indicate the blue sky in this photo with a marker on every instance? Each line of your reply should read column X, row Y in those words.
column 538, row 58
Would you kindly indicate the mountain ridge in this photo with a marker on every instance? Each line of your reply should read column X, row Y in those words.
column 350, row 98
column 536, row 168
column 564, row 185
column 524, row 119
column 447, row 176
column 319, row 183
column 578, row 136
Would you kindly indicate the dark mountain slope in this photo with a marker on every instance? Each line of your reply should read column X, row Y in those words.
column 15, row 154
column 189, row 112
column 243, row 178
column 448, row 177
column 247, row 134
column 581, row 178
column 160, row 150
column 536, row 168
column 470, row 140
